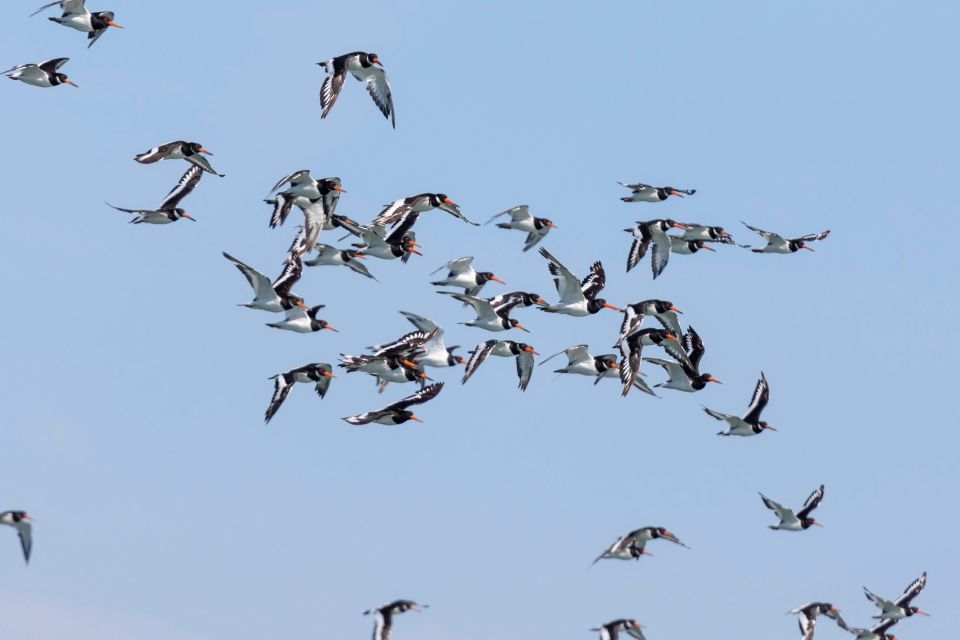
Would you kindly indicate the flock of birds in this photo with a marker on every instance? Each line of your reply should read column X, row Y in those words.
column 390, row 235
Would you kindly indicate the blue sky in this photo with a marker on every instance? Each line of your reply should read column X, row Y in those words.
column 136, row 387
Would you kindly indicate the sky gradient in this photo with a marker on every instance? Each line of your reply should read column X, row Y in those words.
column 135, row 386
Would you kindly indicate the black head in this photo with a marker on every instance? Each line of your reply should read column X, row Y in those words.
column 540, row 223
column 180, row 213
column 796, row 245
column 662, row 306
column 317, row 324
column 485, row 276
column 400, row 417
column 510, row 323
column 704, row 378
column 327, row 185
column 530, row 299
column 19, row 516
column 914, row 610
column 373, row 58
column 595, row 305
column 606, row 361
column 61, row 78
column 103, row 19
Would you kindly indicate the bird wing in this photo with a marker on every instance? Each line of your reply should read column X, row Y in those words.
column 292, row 270
column 813, row 237
column 761, row 395
column 638, row 249
column 630, row 363
column 423, row 395
column 378, row 86
column 568, row 286
column 404, row 344
column 637, row 187
column 282, row 205
column 883, row 603
column 422, row 323
column 675, row 370
column 365, row 418
column 670, row 322
column 94, row 35
column 595, row 281
column 660, row 255
column 481, row 307
column 458, row 266
column 52, row 66
column 912, row 591
column 632, row 321
column 717, row 414
column 578, row 353
column 188, row 182
column 281, row 389
column 517, row 214
column 157, row 153
column 295, row 178
column 332, row 85
column 769, row 236
column 807, row 627
column 812, row 503
column 62, row 4
column 260, row 283
column 534, row 237
column 884, row 626
column 477, row 356
column 392, row 212
column 694, row 348
column 524, row 368
column 25, row 531
column 781, row 511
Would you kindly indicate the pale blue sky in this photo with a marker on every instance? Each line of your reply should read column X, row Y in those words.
column 135, row 387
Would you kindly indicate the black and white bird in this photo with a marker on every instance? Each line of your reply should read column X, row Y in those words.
column 20, row 521
column 808, row 617
column 750, row 423
column 365, row 67
column 645, row 193
column 383, row 616
column 778, row 244
column 460, row 273
column 302, row 320
column 694, row 231
column 398, row 243
column 192, row 152
column 517, row 299
column 407, row 207
column 319, row 373
column 631, row 350
column 683, row 376
column 505, row 349
column 799, row 521
column 77, row 16
column 434, row 353
column 488, row 317
column 900, row 608
column 633, row 545
column 169, row 210
column 580, row 362
column 275, row 297
column 331, row 256
column 306, row 192
column 634, row 314
column 684, row 247
column 877, row 632
column 398, row 412
column 612, row 630
column 522, row 220
column 46, row 74
column 652, row 232
column 386, row 368
column 577, row 298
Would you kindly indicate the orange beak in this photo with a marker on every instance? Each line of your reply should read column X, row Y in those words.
column 496, row 279
column 678, row 194
column 300, row 304
column 187, row 216
column 26, row 517
column 675, row 310
column 413, row 417
column 361, row 256
column 72, row 83
column 205, row 152
column 522, row 328
column 610, row 306
column 615, row 365
column 540, row 301
column 412, row 250
column 339, row 188
column 712, row 379
column 670, row 336
column 707, row 247
column 450, row 202
column 115, row 25
column 552, row 226
column 923, row 613
column 530, row 350
column 327, row 374
column 332, row 329
column 816, row 524
column 771, row 428
column 803, row 247
column 408, row 364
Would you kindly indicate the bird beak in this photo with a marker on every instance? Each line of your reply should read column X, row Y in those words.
column 496, row 279
column 72, row 83
column 816, row 524
column 610, row 306
column 205, row 152
column 461, row 361
column 424, row 376
column 339, row 188
column 413, row 417
column 769, row 427
column 332, row 329
column 615, row 365
column 522, row 328
column 712, row 379
column 530, row 350
column 540, row 301
column 707, row 247
column 552, row 226
column 923, row 613
column 412, row 250
column 408, row 364
column 450, row 202
column 670, row 336
column 675, row 310
column 115, row 25
column 679, row 195
column 360, row 256
column 803, row 247
column 301, row 304
column 327, row 374
column 187, row 216
column 376, row 60
column 26, row 517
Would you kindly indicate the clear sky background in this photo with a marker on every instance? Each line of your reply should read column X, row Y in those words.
column 135, row 387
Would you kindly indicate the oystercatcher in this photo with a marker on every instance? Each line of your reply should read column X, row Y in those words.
column 488, row 317
column 319, row 373
column 683, row 376
column 274, row 297
column 577, row 298
column 331, row 256
column 168, row 211
column 521, row 220
column 505, row 349
column 778, row 244
column 77, row 16
column 460, row 273
column 20, row 521
column 365, row 67
column 44, row 75
column 611, row 630
column 398, row 412
column 407, row 207
column 646, row 193
column 192, row 152
column 663, row 310
column 900, row 608
column 632, row 546
column 808, row 616
column 655, row 232
column 750, row 424
column 799, row 521
column 383, row 616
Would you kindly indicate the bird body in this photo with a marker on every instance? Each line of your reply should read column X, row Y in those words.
column 901, row 607
column 521, row 220
column 505, row 349
column 302, row 320
column 576, row 298
column 488, row 317
column 799, row 521
column 331, row 256
column 750, row 423
column 78, row 17
column 169, row 210
column 633, row 545
column 45, row 74
column 319, row 373
column 398, row 412
column 645, row 193
column 20, row 521
column 192, row 152
column 366, row 68
column 420, row 203
column 778, row 244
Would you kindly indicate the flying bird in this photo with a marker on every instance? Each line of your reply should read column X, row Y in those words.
column 365, row 67
column 521, row 220
column 434, row 352
column 611, row 630
column 169, row 210
column 331, row 256
column 46, row 74
column 750, row 424
column 647, row 233
column 645, row 193
column 683, row 376
column 808, row 616
column 77, row 16
column 460, row 273
column 20, row 521
column 577, row 298
column 383, row 616
column 900, row 608
column 274, row 297
column 505, row 349
column 192, row 152
column 632, row 546
column 778, row 244
column 706, row 233
column 517, row 299
column 664, row 311
column 319, row 373
column 631, row 350
column 399, row 243
column 684, row 247
column 420, row 203
column 488, row 317
column 799, row 521
column 302, row 320
column 579, row 361
column 398, row 412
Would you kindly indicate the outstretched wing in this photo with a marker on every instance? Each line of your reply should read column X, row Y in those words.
column 912, row 591
column 295, row 178
column 595, row 281
column 281, row 389
column 332, row 84
column 517, row 214
column 761, row 395
column 424, row 395
column 813, row 237
column 260, row 283
column 769, row 236
column 524, row 368
column 157, row 153
column 378, row 86
column 694, row 348
column 188, row 182
column 421, row 323
column 812, row 503
column 568, row 286
column 479, row 354
column 781, row 511
column 292, row 270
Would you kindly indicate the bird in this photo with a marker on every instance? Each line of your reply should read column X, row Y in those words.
column 877, row 632
column 521, row 220
column 46, row 74
column 301, row 185
column 631, row 351
column 274, row 297
column 77, row 16
column 517, row 299
column 577, row 298
column 383, row 616
column 331, row 256
column 302, row 320
column 365, row 67
column 646, row 193
column 488, row 317
column 750, row 424
column 808, row 616
column 462, row 274
column 506, row 349
column 168, row 211
column 399, row 209
column 655, row 232
column 707, row 233
column 579, row 361
column 192, row 152
column 778, row 244
column 684, row 247
column 398, row 412
column 664, row 311
column 386, row 368
column 321, row 196
column 799, row 521
column 20, row 521
column 399, row 243
column 435, row 353
column 611, row 630
column 682, row 376
column 632, row 546
column 900, row 608
column 320, row 373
